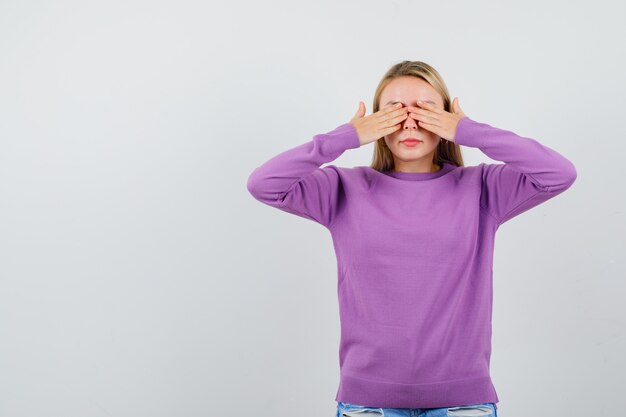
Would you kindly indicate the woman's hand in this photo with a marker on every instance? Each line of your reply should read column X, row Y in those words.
column 385, row 121
column 438, row 121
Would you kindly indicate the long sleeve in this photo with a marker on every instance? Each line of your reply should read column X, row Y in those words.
column 531, row 174
column 293, row 181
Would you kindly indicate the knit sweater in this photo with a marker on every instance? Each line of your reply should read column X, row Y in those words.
column 414, row 257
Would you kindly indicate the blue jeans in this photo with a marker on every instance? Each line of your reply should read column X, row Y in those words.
column 473, row 410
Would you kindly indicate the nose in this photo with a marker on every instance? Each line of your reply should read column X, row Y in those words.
column 409, row 123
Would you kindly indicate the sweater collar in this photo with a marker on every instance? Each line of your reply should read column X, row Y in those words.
column 418, row 176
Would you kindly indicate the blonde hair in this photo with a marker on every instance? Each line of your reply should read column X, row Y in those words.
column 446, row 150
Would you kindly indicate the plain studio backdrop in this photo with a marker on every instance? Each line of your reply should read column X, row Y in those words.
column 138, row 277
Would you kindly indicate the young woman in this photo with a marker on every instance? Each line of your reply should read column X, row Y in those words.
column 414, row 239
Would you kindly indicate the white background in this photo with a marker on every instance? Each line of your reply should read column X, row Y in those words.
column 138, row 277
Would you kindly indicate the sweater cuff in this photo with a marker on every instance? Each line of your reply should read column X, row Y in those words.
column 464, row 134
column 339, row 139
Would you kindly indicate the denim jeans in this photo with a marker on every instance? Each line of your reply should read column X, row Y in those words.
column 472, row 410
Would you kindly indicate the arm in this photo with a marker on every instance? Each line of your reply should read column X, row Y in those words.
column 293, row 181
column 531, row 174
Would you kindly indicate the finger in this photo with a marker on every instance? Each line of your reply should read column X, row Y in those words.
column 430, row 127
column 429, row 106
column 394, row 113
column 422, row 110
column 424, row 114
column 392, row 120
column 382, row 113
column 390, row 108
column 390, row 129
column 361, row 110
column 385, row 124
column 397, row 119
column 426, row 118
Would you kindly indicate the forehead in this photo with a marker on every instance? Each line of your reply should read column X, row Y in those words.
column 407, row 90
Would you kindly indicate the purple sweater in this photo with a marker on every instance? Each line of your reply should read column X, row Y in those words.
column 414, row 257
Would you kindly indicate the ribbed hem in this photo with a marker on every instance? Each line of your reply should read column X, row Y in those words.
column 380, row 394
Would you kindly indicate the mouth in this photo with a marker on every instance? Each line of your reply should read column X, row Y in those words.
column 411, row 141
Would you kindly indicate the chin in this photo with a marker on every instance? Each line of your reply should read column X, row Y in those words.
column 418, row 151
column 409, row 156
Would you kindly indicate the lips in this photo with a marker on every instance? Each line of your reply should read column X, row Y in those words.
column 411, row 140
